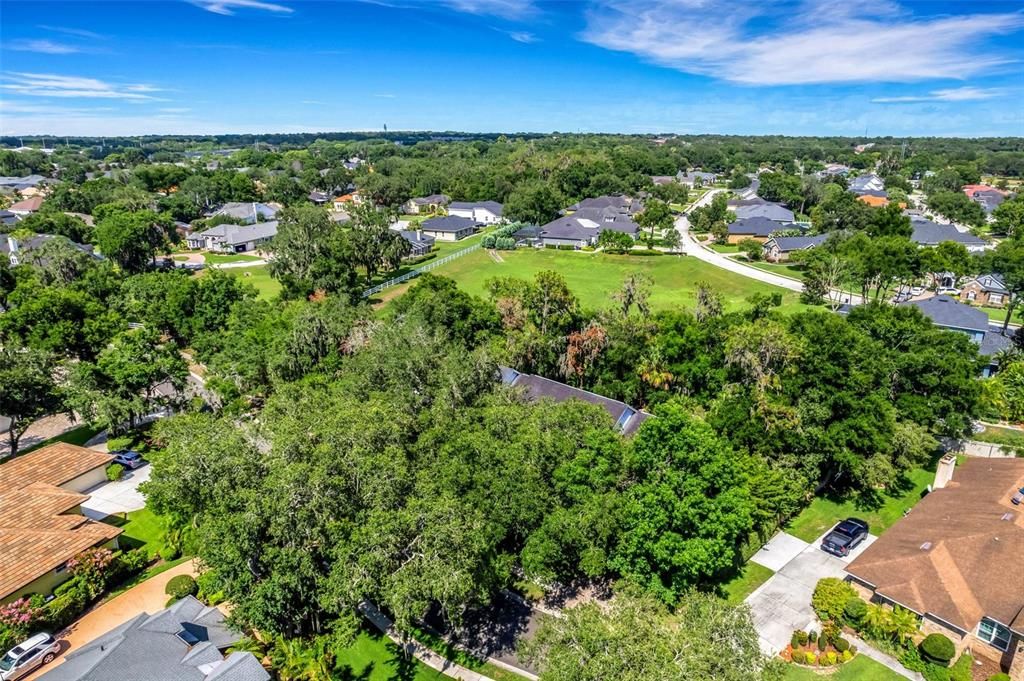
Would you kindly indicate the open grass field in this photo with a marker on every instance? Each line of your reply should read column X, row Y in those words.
column 782, row 269
column 142, row 529
column 880, row 510
column 742, row 585
column 859, row 668
column 998, row 314
column 593, row 277
column 258, row 276
column 227, row 258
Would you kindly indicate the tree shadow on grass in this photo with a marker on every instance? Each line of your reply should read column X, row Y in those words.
column 403, row 665
column 346, row 673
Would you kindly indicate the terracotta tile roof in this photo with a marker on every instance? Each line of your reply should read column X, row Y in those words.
column 957, row 554
column 55, row 464
column 40, row 527
column 873, row 200
column 32, row 204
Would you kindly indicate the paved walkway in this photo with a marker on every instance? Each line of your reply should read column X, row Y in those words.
column 417, row 650
column 148, row 597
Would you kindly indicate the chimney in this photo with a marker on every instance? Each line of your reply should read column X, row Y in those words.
column 944, row 471
column 419, row 235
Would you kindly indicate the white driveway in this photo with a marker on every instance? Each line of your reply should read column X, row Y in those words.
column 783, row 603
column 117, row 497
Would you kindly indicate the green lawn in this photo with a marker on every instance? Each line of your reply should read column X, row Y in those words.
column 998, row 314
column 860, row 668
column 742, row 585
column 375, row 658
column 258, row 276
column 724, row 248
column 593, row 277
column 1000, row 436
column 792, row 271
column 460, row 657
column 142, row 528
column 228, row 258
column 880, row 510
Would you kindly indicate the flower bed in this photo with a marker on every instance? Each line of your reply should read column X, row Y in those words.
column 810, row 650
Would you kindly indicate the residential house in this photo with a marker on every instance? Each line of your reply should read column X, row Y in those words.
column 759, row 208
column 584, row 226
column 7, row 218
column 421, row 243
column 319, row 198
column 26, row 207
column 955, row 561
column 18, row 250
column 986, row 196
column 780, row 248
column 757, row 228
column 928, row 233
column 483, row 212
column 21, row 183
column 696, row 178
column 340, row 203
column 41, row 521
column 863, row 184
column 528, row 235
column 750, row 191
column 615, row 203
column 662, row 179
column 986, row 290
column 425, row 205
column 874, row 199
column 247, row 212
column 449, row 227
column 626, row 418
column 185, row 642
column 947, row 313
column 833, row 169
column 228, row 238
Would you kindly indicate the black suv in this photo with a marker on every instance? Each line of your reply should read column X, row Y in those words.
column 845, row 536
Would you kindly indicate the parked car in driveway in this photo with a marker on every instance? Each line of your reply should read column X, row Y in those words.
column 27, row 656
column 845, row 536
column 129, row 459
column 1018, row 497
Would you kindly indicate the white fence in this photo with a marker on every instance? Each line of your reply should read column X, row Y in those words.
column 412, row 274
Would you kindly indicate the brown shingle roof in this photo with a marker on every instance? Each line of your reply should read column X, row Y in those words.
column 55, row 464
column 40, row 527
column 957, row 555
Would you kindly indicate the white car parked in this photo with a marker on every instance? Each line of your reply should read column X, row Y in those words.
column 28, row 656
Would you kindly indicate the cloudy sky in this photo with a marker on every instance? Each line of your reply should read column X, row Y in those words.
column 830, row 67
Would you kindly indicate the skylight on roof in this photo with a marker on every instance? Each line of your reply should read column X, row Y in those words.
column 187, row 637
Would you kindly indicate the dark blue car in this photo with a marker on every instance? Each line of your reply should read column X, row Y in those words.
column 129, row 459
column 845, row 536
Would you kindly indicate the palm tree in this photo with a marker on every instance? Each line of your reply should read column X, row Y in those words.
column 290, row 658
column 902, row 624
column 876, row 619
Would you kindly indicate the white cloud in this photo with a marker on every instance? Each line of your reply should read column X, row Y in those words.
column 506, row 9
column 42, row 46
column 522, row 36
column 81, row 33
column 761, row 44
column 228, row 7
column 52, row 85
column 960, row 94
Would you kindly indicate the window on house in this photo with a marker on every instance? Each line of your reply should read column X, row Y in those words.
column 996, row 299
column 971, row 295
column 993, row 633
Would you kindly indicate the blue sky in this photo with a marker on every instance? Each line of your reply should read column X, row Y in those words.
column 831, row 67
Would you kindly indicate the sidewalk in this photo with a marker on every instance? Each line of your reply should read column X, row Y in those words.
column 417, row 650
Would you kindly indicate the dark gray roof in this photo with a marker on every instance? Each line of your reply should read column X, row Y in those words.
column 627, row 419
column 797, row 243
column 994, row 340
column 758, row 226
column 35, row 241
column 449, row 223
column 861, row 183
column 492, row 206
column 928, row 233
column 616, row 202
column 989, row 200
column 427, row 200
column 948, row 313
column 588, row 223
column 759, row 208
column 240, row 234
column 991, row 283
column 247, row 211
column 417, row 238
column 21, row 182
column 9, row 218
column 180, row 643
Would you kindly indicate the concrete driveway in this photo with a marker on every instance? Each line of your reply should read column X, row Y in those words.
column 783, row 603
column 121, row 496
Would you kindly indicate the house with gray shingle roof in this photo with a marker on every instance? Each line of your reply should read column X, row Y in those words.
column 449, row 227
column 759, row 228
column 779, row 248
column 484, row 212
column 866, row 183
column 985, row 290
column 584, row 226
column 950, row 314
column 229, row 238
column 247, row 212
column 425, row 204
column 184, row 642
column 759, row 208
column 928, row 233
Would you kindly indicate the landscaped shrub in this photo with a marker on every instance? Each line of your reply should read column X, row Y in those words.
column 999, row 677
column 841, row 644
column 830, row 597
column 168, row 553
column 810, row 658
column 795, row 639
column 90, row 566
column 114, row 472
column 847, row 656
column 912, row 660
column 832, row 657
column 116, row 444
column 804, row 638
column 831, row 631
column 822, row 642
column 961, row 671
column 181, row 586
column 938, row 649
column 855, row 609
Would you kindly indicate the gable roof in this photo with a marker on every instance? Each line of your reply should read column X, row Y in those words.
column 865, row 183
column 616, row 202
column 247, row 210
column 492, row 206
column 928, row 233
column 427, row 200
column 991, row 283
column 149, row 647
column 54, row 464
column 759, row 208
column 947, row 312
column 588, row 223
column 27, row 205
column 448, row 223
column 756, row 226
column 787, row 244
column 950, row 556
column 627, row 419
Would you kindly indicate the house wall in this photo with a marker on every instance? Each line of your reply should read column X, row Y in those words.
column 448, row 236
column 973, row 293
column 736, row 238
column 575, row 243
column 87, row 481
